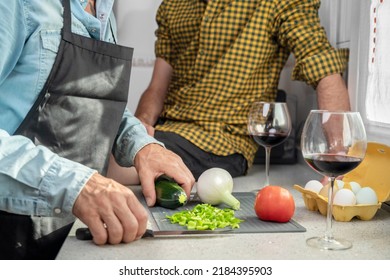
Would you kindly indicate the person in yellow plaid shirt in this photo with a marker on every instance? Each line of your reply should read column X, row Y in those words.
column 216, row 57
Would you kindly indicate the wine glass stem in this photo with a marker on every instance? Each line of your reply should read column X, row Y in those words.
column 267, row 163
column 329, row 215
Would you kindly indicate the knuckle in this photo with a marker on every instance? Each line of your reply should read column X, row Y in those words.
column 115, row 236
column 100, row 238
column 130, row 234
column 143, row 217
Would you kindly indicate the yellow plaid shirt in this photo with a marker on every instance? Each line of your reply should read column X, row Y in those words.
column 229, row 53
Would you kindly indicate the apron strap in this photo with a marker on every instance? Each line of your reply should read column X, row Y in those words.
column 67, row 16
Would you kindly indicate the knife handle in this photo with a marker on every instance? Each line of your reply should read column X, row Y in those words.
column 85, row 234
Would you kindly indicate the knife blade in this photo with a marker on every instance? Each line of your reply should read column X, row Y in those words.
column 85, row 233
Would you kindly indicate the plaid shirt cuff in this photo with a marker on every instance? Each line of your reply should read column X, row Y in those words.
column 313, row 69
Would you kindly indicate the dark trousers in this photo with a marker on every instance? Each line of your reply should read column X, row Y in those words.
column 198, row 160
column 17, row 239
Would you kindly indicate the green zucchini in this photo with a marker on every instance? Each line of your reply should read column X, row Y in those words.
column 169, row 194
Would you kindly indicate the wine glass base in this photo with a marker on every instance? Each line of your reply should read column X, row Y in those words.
column 329, row 243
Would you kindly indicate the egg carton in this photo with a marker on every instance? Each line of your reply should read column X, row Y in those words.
column 372, row 172
column 316, row 202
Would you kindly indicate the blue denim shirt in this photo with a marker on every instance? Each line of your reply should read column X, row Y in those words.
column 33, row 180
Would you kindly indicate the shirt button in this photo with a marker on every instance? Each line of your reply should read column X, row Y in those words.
column 201, row 52
column 57, row 210
column 93, row 30
column 206, row 19
column 101, row 16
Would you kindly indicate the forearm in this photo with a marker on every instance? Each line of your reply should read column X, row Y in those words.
column 332, row 94
column 152, row 100
column 149, row 107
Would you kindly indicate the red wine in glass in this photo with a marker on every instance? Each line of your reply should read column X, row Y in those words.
column 333, row 143
column 332, row 165
column 269, row 124
column 270, row 139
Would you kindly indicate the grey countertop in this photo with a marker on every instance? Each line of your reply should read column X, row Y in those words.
column 371, row 239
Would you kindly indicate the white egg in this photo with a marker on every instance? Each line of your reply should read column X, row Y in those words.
column 314, row 186
column 339, row 183
column 355, row 187
column 325, row 190
column 344, row 197
column 366, row 195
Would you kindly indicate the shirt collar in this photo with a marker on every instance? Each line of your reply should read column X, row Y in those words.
column 103, row 12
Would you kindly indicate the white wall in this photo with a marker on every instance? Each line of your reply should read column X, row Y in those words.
column 136, row 26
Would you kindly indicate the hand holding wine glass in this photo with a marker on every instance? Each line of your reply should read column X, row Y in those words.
column 333, row 144
column 269, row 124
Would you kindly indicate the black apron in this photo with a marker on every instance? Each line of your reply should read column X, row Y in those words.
column 77, row 116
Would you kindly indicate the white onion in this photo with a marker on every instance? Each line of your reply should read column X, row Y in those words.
column 215, row 186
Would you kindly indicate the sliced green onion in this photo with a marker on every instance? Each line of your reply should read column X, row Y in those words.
column 205, row 217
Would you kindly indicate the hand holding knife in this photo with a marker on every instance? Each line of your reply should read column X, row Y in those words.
column 85, row 234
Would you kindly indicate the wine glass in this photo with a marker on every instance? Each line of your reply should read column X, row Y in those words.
column 269, row 123
column 333, row 143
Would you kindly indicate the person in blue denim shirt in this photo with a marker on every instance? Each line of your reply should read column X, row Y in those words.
column 63, row 94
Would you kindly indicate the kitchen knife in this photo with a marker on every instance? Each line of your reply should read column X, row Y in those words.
column 85, row 234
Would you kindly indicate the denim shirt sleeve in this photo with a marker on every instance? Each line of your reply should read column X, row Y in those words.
column 36, row 181
column 13, row 32
column 132, row 137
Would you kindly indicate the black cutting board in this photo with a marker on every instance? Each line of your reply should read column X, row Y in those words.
column 251, row 223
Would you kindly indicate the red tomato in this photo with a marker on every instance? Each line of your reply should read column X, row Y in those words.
column 274, row 203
